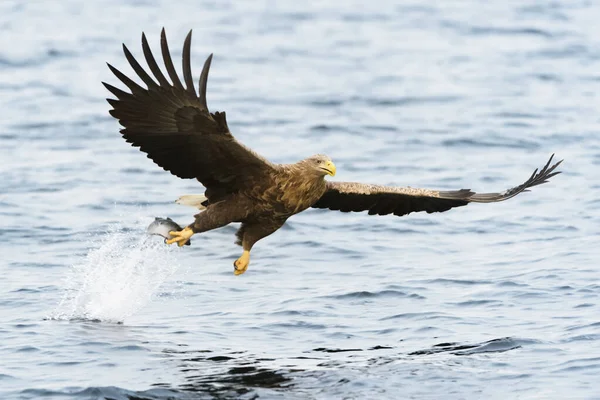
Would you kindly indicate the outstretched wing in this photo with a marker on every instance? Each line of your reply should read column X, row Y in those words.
column 172, row 124
column 383, row 200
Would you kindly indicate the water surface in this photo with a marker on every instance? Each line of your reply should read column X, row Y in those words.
column 485, row 301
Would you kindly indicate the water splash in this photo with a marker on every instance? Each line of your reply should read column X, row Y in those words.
column 117, row 278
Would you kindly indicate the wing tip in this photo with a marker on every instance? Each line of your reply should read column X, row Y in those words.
column 187, row 64
column 203, row 81
column 114, row 70
column 539, row 177
column 164, row 45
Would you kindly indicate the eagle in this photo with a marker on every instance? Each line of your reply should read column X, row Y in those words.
column 170, row 121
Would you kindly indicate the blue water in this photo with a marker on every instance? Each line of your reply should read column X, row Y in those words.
column 486, row 301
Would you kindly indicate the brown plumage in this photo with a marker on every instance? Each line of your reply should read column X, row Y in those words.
column 172, row 124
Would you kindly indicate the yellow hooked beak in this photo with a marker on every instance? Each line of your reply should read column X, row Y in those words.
column 330, row 168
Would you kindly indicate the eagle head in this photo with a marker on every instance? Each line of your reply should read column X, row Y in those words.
column 320, row 164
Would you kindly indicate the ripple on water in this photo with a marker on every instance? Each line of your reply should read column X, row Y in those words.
column 490, row 346
column 368, row 295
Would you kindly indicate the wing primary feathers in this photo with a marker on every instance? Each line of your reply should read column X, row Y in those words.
column 537, row 178
column 121, row 95
column 164, row 46
column 548, row 173
column 151, row 61
column 138, row 69
column 462, row 194
column 114, row 103
column 187, row 65
column 204, row 81
column 135, row 88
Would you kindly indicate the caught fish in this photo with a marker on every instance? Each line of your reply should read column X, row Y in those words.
column 162, row 227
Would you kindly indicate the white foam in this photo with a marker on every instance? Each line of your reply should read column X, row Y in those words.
column 118, row 277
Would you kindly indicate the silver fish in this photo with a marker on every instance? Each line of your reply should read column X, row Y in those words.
column 162, row 227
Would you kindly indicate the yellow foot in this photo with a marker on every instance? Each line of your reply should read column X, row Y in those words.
column 241, row 264
column 180, row 237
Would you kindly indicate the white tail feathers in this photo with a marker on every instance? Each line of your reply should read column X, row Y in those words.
column 192, row 200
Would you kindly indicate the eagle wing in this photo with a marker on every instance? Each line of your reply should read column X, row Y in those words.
column 383, row 200
column 172, row 124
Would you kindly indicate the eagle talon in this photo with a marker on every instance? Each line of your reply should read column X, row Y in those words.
column 180, row 237
column 241, row 264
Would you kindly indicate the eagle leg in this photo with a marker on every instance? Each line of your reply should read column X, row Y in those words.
column 241, row 264
column 250, row 233
column 180, row 237
column 213, row 217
